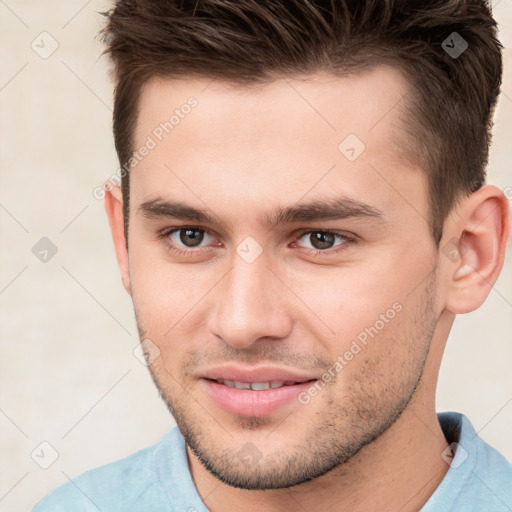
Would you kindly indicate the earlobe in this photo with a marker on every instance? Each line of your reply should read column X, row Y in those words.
column 483, row 225
column 114, row 210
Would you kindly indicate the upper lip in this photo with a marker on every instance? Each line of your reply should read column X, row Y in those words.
column 258, row 374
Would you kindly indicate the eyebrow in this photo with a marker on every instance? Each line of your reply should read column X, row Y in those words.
column 316, row 210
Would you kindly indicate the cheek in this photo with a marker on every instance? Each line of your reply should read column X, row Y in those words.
column 369, row 313
column 348, row 300
column 168, row 297
column 378, row 365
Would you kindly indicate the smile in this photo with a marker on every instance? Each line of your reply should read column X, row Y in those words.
column 255, row 386
column 254, row 399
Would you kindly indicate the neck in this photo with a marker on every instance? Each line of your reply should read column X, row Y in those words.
column 398, row 471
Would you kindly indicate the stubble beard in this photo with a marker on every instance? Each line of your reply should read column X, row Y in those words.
column 349, row 423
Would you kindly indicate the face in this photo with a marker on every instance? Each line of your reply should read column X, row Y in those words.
column 278, row 244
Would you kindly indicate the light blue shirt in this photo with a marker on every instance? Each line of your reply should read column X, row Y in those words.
column 157, row 479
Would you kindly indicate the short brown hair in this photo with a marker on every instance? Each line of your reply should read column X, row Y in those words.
column 452, row 98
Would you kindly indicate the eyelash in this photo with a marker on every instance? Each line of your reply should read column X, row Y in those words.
column 349, row 240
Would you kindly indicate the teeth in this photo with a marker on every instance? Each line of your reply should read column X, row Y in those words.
column 260, row 385
column 242, row 385
column 255, row 386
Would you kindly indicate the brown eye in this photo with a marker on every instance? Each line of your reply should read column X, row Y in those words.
column 191, row 237
column 323, row 240
column 187, row 238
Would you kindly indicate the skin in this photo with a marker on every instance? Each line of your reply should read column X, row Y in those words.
column 370, row 439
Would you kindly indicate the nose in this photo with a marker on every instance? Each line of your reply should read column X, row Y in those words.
column 251, row 303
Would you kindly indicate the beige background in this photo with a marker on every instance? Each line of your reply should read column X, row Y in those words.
column 69, row 376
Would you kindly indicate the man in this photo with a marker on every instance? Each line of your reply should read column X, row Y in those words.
column 302, row 213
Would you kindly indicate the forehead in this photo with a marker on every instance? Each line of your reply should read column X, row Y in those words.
column 211, row 140
column 360, row 102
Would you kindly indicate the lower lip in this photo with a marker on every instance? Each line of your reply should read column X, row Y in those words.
column 244, row 402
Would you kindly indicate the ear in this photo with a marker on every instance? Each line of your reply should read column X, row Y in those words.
column 114, row 209
column 478, row 239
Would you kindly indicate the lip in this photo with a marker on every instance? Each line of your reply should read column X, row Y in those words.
column 259, row 374
column 249, row 403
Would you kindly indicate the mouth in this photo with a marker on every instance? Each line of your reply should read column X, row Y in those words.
column 258, row 386
column 255, row 393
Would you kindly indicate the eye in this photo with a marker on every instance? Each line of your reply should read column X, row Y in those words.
column 184, row 239
column 322, row 240
column 191, row 237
